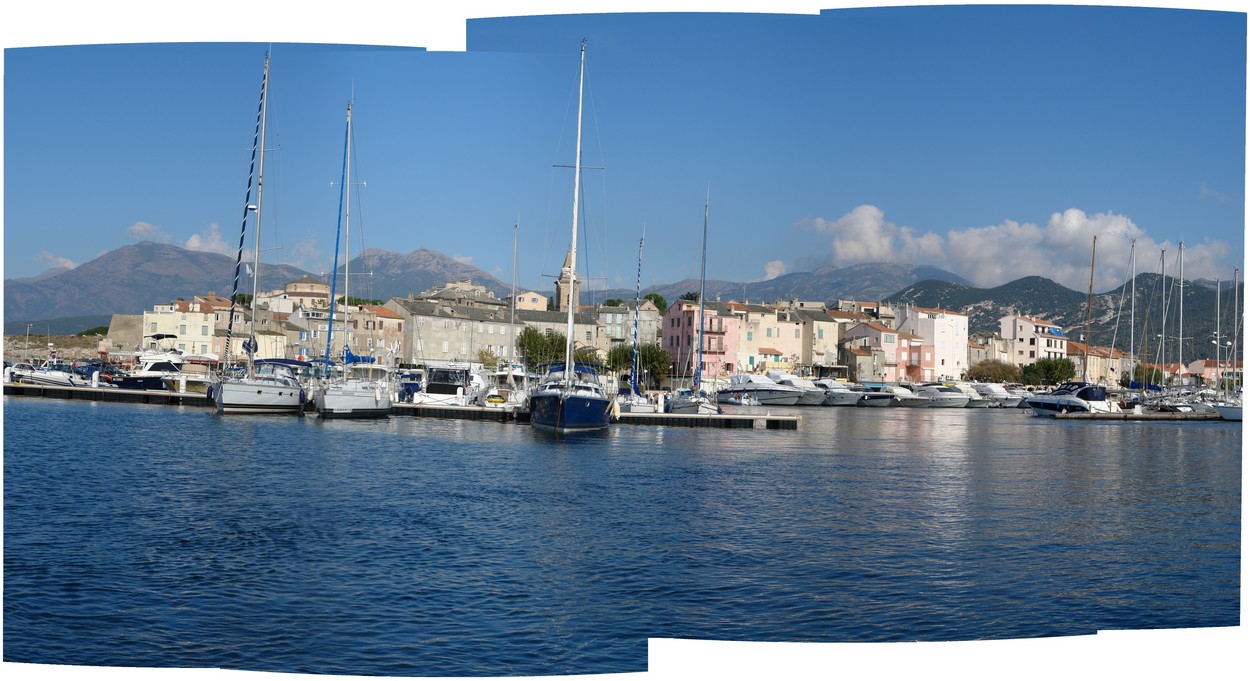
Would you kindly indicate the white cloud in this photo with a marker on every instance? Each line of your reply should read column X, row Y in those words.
column 463, row 259
column 144, row 231
column 774, row 269
column 210, row 242
column 995, row 254
column 52, row 261
column 1209, row 193
column 864, row 235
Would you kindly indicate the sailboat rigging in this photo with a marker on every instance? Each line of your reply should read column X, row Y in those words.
column 571, row 397
column 695, row 400
column 363, row 390
column 268, row 386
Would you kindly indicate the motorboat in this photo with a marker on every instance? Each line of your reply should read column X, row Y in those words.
column 452, row 385
column 881, row 396
column 942, row 396
column 902, row 396
column 1074, row 397
column 687, row 401
column 840, row 393
column 997, row 395
column 52, row 372
column 761, row 388
column 812, row 394
column 152, row 367
column 975, row 399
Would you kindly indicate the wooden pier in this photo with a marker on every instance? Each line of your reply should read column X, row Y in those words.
column 474, row 413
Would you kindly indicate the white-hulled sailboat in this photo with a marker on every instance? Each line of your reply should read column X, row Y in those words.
column 694, row 400
column 363, row 388
column 265, row 386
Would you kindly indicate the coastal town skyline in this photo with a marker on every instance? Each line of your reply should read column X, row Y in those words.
column 992, row 142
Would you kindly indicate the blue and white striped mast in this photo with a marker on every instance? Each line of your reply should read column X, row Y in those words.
column 633, row 374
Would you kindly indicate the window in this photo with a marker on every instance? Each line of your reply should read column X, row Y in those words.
column 750, row 336
column 444, row 347
column 182, row 329
column 153, row 329
column 820, row 334
column 768, row 332
column 182, row 347
column 888, row 338
column 796, row 332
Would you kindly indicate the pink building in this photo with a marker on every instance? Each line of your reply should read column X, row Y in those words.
column 876, row 336
column 679, row 329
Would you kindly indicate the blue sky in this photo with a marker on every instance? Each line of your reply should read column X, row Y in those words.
column 992, row 141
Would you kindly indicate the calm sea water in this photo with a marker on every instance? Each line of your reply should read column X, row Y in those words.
column 155, row 536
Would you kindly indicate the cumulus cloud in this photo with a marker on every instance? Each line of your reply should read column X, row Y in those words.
column 773, row 269
column 864, row 235
column 144, row 231
column 53, row 261
column 210, row 242
column 995, row 254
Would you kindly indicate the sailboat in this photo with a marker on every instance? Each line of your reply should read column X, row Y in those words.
column 635, row 402
column 265, row 386
column 363, row 390
column 694, row 400
column 1229, row 406
column 571, row 397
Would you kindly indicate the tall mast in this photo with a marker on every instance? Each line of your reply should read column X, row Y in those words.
column 512, row 317
column 260, row 204
column 1089, row 311
column 698, row 369
column 247, row 208
column 577, row 187
column 1180, row 314
column 1236, row 332
column 1132, row 316
column 334, row 275
column 347, row 233
column 633, row 371
column 1219, row 389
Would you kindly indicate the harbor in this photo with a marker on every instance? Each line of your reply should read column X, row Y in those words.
column 468, row 412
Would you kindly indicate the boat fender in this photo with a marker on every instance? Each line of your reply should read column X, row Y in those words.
column 209, row 393
column 302, row 397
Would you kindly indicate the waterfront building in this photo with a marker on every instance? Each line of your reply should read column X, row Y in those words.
column 434, row 331
column 946, row 337
column 1211, row 372
column 679, row 338
column 882, row 343
column 757, row 343
column 916, row 358
column 984, row 346
column 192, row 322
column 1033, row 339
column 818, row 341
column 1105, row 365
column 616, row 323
column 464, row 294
column 308, row 292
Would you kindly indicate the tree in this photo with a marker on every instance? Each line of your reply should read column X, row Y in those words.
column 1048, row 371
column 620, row 357
column 690, row 295
column 653, row 362
column 614, row 302
column 995, row 371
column 487, row 358
column 538, row 347
column 94, row 331
column 1144, row 374
column 660, row 303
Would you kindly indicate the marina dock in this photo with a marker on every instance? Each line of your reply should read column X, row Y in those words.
column 1143, row 416
column 765, row 422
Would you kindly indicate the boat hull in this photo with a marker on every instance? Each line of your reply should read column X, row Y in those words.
column 353, row 401
column 258, row 397
column 1228, row 412
column 569, row 413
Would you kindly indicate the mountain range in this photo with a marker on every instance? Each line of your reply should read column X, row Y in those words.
column 133, row 278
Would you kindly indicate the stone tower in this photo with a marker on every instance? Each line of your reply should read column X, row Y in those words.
column 564, row 282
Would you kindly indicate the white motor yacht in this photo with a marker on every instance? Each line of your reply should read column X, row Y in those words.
column 762, row 389
column 997, row 395
column 940, row 395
